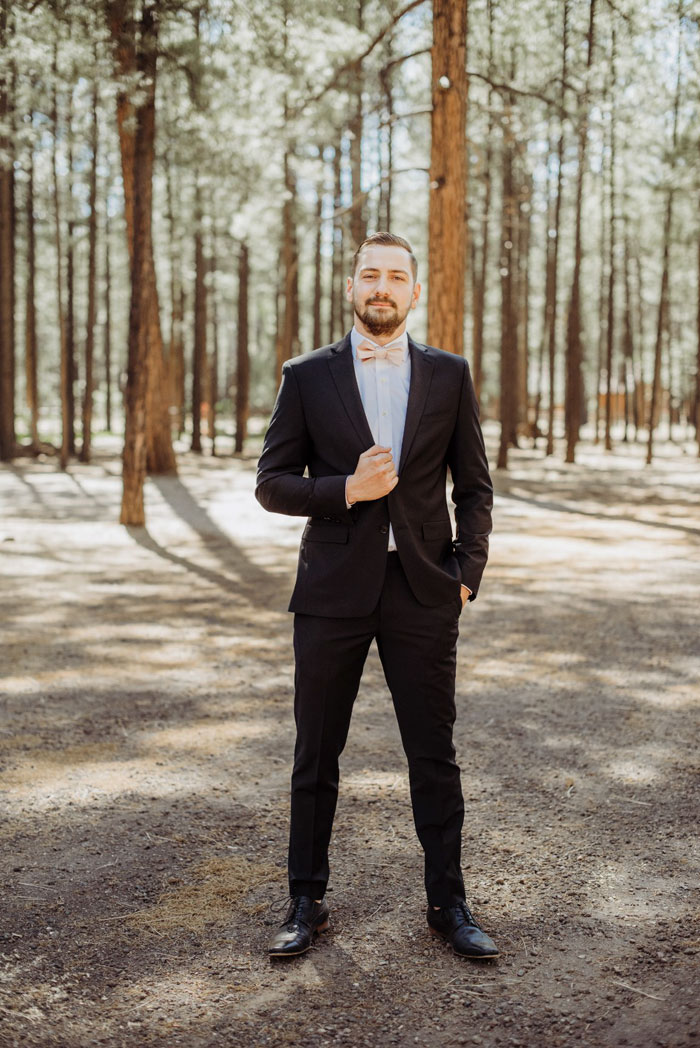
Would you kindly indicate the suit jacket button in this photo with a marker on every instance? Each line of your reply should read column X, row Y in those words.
column 384, row 528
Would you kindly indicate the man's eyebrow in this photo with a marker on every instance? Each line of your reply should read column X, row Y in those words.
column 375, row 269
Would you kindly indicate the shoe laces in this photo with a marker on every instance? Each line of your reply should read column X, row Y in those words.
column 463, row 911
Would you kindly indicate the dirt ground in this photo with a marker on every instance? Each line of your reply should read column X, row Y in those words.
column 146, row 745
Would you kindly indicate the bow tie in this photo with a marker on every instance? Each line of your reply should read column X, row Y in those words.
column 393, row 352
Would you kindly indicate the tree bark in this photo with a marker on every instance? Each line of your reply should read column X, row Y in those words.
column 176, row 345
column 242, row 359
column 85, row 450
column 72, row 363
column 612, row 265
column 213, row 383
column 289, row 343
column 552, row 331
column 30, row 339
column 509, row 317
column 447, row 220
column 696, row 415
column 336, row 286
column 129, row 55
column 7, row 257
column 628, row 354
column 358, row 220
column 65, row 373
column 143, row 345
column 547, row 313
column 481, row 274
column 573, row 400
column 318, row 269
column 199, row 356
column 663, row 318
column 107, row 332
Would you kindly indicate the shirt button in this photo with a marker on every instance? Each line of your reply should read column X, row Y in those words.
column 384, row 528
column 384, row 414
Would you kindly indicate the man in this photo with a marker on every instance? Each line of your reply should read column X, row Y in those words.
column 360, row 441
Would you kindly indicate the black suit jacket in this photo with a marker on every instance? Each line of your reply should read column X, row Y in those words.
column 317, row 432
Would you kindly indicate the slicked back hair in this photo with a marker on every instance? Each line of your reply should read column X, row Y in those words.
column 385, row 239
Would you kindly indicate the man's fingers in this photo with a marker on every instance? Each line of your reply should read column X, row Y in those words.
column 376, row 449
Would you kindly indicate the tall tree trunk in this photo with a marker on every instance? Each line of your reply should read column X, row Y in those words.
column 661, row 326
column 65, row 371
column 663, row 318
column 107, row 332
column 199, row 356
column 31, row 361
column 628, row 354
column 358, row 219
column 612, row 266
column 142, row 351
column 447, row 219
column 573, row 401
column 387, row 178
column 176, row 345
column 336, row 284
column 70, row 282
column 242, row 359
column 509, row 317
column 85, row 450
column 214, row 361
column 602, row 301
column 289, row 344
column 548, row 288
column 129, row 54
column 481, row 274
column 7, row 253
column 696, row 414
column 318, row 269
column 552, row 332
column 523, row 212
column 640, row 374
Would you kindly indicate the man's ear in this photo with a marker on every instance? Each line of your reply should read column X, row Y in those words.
column 416, row 296
column 348, row 289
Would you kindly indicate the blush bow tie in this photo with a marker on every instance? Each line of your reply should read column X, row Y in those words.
column 393, row 352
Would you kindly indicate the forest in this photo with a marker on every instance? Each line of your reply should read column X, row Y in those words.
column 183, row 184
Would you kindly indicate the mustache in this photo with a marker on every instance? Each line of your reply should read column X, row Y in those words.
column 382, row 302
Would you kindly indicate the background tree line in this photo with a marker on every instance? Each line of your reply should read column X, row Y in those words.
column 183, row 183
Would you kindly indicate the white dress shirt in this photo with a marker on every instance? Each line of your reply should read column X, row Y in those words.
column 384, row 393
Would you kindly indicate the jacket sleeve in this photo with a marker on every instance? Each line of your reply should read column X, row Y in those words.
column 472, row 491
column 281, row 485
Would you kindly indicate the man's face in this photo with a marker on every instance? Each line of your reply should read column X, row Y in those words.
column 382, row 290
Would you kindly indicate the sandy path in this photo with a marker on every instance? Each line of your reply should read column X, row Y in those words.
column 146, row 743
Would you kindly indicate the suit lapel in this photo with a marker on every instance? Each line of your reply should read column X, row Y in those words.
column 421, row 376
column 343, row 371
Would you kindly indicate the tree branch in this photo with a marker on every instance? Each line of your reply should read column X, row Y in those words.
column 353, row 63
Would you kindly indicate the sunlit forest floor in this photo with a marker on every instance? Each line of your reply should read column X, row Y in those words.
column 147, row 738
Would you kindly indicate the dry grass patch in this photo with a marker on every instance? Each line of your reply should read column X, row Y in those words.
column 218, row 886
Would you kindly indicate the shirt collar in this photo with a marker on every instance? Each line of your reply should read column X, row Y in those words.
column 356, row 338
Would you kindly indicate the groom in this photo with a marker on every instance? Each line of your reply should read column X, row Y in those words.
column 360, row 441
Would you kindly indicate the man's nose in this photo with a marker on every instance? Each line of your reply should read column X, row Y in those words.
column 382, row 285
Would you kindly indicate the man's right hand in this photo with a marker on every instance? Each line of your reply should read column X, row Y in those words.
column 374, row 476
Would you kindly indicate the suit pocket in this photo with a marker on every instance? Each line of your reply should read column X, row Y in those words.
column 326, row 533
column 437, row 530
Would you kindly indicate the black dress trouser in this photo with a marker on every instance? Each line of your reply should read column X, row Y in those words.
column 417, row 647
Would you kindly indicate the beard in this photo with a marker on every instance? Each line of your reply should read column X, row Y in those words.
column 380, row 321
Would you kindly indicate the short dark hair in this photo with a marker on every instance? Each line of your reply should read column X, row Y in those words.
column 385, row 239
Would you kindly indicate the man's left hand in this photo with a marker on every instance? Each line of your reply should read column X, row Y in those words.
column 465, row 594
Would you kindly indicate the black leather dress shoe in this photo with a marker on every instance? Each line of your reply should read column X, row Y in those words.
column 457, row 925
column 304, row 919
